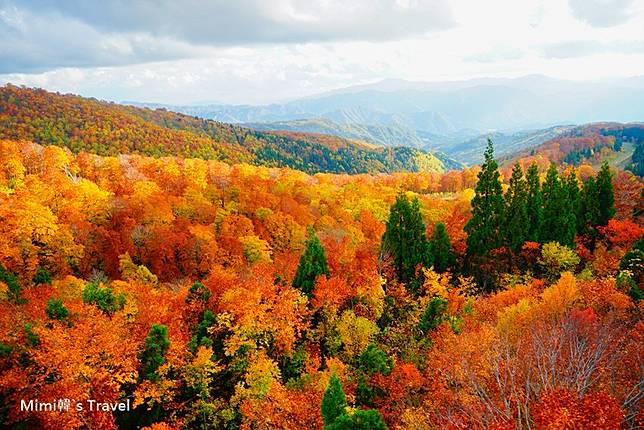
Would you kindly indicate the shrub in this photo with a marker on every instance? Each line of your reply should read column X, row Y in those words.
column 42, row 276
column 56, row 310
column 556, row 258
column 103, row 297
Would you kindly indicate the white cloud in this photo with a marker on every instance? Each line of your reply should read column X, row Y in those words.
column 304, row 50
column 603, row 13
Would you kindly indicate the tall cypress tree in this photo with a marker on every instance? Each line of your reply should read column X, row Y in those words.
column 551, row 194
column 405, row 238
column 312, row 264
column 483, row 229
column 606, row 195
column 440, row 248
column 558, row 217
column 589, row 210
column 515, row 226
column 534, row 203
column 572, row 188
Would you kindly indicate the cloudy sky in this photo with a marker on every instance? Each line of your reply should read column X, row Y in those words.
column 256, row 51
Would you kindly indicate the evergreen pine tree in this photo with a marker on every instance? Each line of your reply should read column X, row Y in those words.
column 405, row 238
column 155, row 347
column 14, row 289
column 589, row 209
column 56, row 309
column 515, row 226
column 334, row 401
column 551, row 194
column 440, row 249
column 605, row 194
column 312, row 264
column 558, row 215
column 483, row 229
column 574, row 197
column 534, row 203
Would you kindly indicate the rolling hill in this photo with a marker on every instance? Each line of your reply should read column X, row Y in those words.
column 621, row 145
column 83, row 124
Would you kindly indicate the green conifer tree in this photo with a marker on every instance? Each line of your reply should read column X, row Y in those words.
column 589, row 211
column 605, row 194
column 534, row 203
column 574, row 197
column 483, row 229
column 405, row 239
column 440, row 249
column 56, row 309
column 558, row 216
column 334, row 401
column 312, row 264
column 515, row 226
column 154, row 349
column 14, row 289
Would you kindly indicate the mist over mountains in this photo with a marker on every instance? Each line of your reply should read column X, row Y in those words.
column 446, row 116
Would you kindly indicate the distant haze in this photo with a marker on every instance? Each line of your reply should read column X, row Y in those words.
column 447, row 108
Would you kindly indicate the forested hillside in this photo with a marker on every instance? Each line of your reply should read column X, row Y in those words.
column 622, row 145
column 221, row 296
column 102, row 128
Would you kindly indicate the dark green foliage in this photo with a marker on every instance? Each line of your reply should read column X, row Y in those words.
column 589, row 212
column 484, row 228
column 559, row 219
column 103, row 297
column 361, row 419
column 575, row 156
column 31, row 338
column 5, row 349
column 405, row 240
column 198, row 292
column 312, row 264
column 636, row 293
column 625, row 282
column 201, row 336
column 606, row 195
column 534, row 203
column 433, row 314
column 56, row 310
column 292, row 366
column 14, row 289
column 374, row 360
column 633, row 261
column 515, row 226
column 365, row 392
column 154, row 349
column 640, row 243
column 440, row 249
column 42, row 276
column 333, row 402
column 574, row 196
column 552, row 205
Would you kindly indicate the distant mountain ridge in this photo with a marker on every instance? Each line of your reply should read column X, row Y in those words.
column 83, row 124
column 445, row 108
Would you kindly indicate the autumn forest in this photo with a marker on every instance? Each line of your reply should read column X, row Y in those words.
column 211, row 276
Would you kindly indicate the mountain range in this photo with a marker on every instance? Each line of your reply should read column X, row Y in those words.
column 444, row 116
